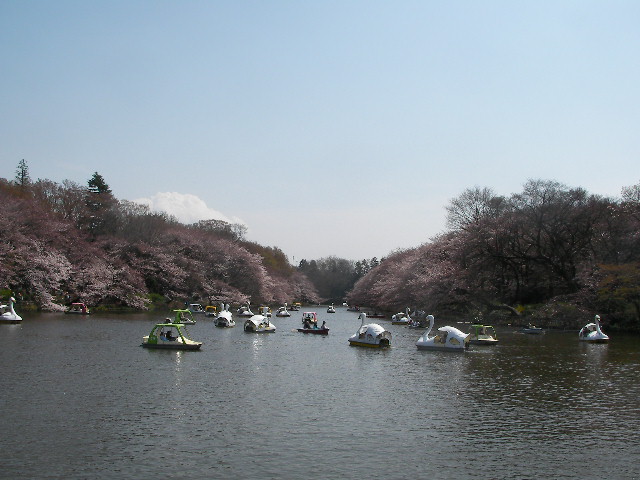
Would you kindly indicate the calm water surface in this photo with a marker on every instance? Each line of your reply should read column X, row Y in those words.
column 81, row 399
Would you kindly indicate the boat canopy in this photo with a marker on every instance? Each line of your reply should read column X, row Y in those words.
column 478, row 329
column 452, row 330
column 374, row 330
column 310, row 316
column 178, row 326
column 257, row 320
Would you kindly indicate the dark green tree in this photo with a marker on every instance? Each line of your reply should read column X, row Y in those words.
column 98, row 185
column 22, row 174
column 100, row 203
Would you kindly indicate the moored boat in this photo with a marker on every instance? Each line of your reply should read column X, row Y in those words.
column 210, row 311
column 171, row 336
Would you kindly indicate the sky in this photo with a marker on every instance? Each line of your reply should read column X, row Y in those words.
column 328, row 128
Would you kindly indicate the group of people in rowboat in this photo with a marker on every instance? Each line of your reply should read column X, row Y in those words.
column 308, row 324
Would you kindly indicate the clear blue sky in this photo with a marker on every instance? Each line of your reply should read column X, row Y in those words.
column 331, row 127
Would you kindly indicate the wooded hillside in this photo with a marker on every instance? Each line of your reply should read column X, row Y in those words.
column 67, row 242
column 554, row 254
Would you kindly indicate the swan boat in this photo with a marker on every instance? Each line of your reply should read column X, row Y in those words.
column 370, row 335
column 245, row 311
column 78, row 308
column 196, row 308
column 592, row 333
column 170, row 336
column 482, row 335
column 331, row 309
column 401, row 318
column 259, row 324
column 447, row 338
column 265, row 311
column 283, row 312
column 8, row 314
column 224, row 317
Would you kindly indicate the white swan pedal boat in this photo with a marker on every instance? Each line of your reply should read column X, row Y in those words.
column 224, row 317
column 8, row 314
column 447, row 339
column 259, row 324
column 592, row 333
column 370, row 335
column 283, row 312
column 245, row 311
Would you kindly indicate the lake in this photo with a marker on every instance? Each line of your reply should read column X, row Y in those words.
column 82, row 400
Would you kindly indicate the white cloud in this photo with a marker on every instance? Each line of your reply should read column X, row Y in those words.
column 187, row 208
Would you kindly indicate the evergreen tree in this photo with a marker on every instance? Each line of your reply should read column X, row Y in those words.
column 22, row 174
column 99, row 203
column 97, row 184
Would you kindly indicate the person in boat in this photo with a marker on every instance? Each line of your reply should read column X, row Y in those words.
column 169, row 336
column 306, row 324
column 324, row 325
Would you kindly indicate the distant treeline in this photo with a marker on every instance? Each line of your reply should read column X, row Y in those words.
column 334, row 277
column 550, row 254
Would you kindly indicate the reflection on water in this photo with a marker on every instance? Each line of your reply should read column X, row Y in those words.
column 81, row 402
